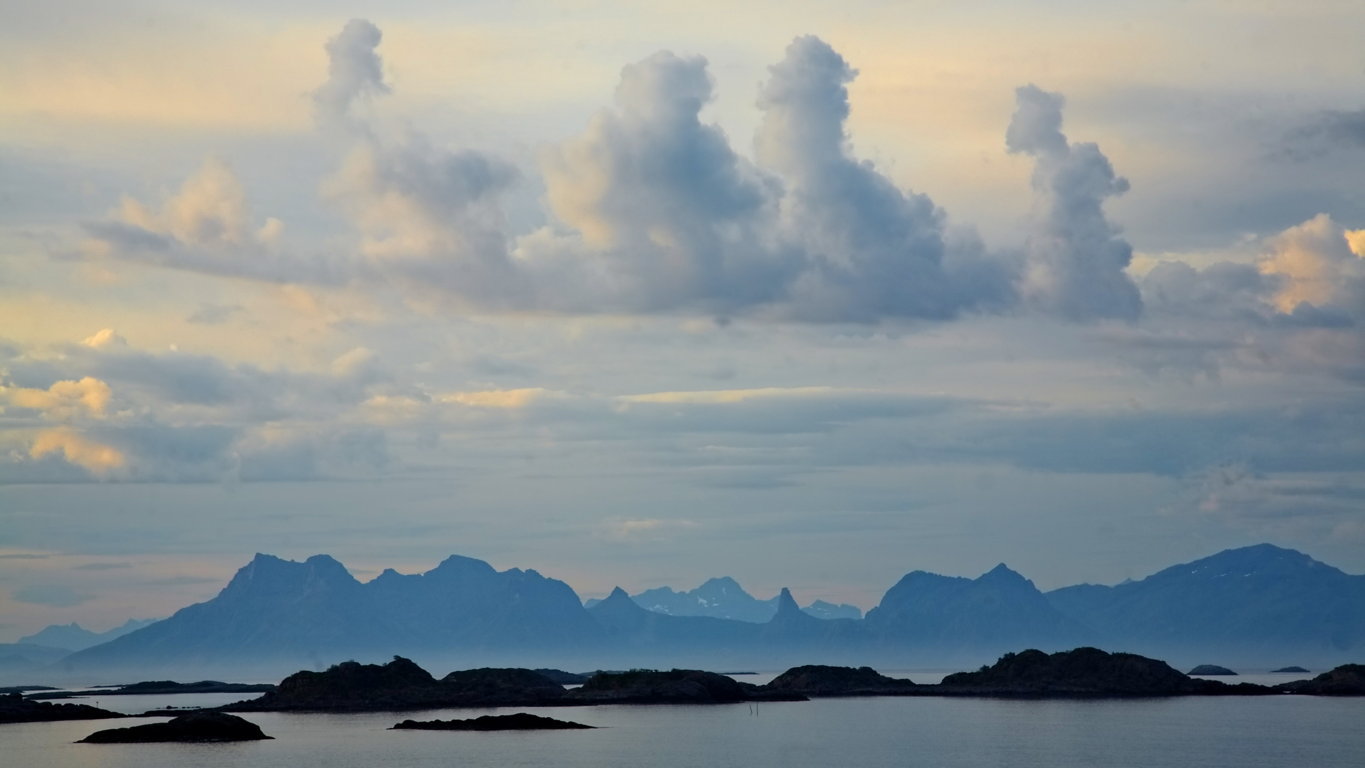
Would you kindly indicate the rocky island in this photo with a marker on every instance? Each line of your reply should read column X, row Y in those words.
column 401, row 684
column 191, row 727
column 817, row 680
column 1082, row 672
column 521, row 721
column 1345, row 680
column 14, row 708
column 1210, row 669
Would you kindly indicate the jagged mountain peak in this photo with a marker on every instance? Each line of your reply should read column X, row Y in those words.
column 1002, row 574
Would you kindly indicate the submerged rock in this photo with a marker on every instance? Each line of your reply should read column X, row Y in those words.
column 191, row 727
column 520, row 721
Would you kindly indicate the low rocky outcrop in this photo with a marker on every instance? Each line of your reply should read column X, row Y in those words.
column 1289, row 671
column 401, row 684
column 192, row 727
column 1346, row 680
column 678, row 686
column 819, row 680
column 1079, row 672
column 521, row 721
column 14, row 708
column 1210, row 669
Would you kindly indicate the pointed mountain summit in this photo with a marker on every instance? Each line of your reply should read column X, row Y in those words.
column 988, row 615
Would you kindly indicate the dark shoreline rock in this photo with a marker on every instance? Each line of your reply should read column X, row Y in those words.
column 14, row 708
column 1210, row 669
column 521, row 721
column 677, row 686
column 1079, row 673
column 193, row 727
column 399, row 685
column 1345, row 680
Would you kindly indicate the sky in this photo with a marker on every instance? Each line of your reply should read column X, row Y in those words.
column 807, row 294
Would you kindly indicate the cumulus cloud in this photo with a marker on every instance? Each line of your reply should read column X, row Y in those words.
column 63, row 400
column 871, row 249
column 355, row 72
column 105, row 337
column 1318, row 263
column 668, row 214
column 97, row 458
column 1077, row 261
column 429, row 217
column 206, row 227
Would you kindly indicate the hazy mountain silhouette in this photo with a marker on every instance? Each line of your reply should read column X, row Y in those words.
column 74, row 637
column 724, row 598
column 1258, row 606
column 1254, row 606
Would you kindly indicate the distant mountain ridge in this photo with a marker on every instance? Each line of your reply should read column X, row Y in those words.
column 724, row 598
column 1256, row 606
column 74, row 637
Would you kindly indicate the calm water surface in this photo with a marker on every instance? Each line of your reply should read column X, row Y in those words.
column 1241, row 732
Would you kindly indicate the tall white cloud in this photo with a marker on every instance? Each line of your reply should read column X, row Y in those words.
column 355, row 72
column 872, row 250
column 1077, row 261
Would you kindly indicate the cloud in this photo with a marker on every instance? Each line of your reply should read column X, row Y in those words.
column 1076, row 260
column 206, row 227
column 213, row 314
column 355, row 72
column 105, row 337
column 665, row 214
column 64, row 400
column 429, row 218
column 55, row 595
column 1320, row 264
column 871, row 251
column 96, row 458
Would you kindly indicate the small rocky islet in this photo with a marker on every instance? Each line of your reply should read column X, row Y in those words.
column 192, row 727
column 521, row 721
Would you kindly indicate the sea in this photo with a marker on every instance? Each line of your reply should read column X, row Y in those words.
column 1240, row 732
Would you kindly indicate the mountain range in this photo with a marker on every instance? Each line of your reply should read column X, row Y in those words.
column 1260, row 606
column 74, row 637
column 724, row 598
